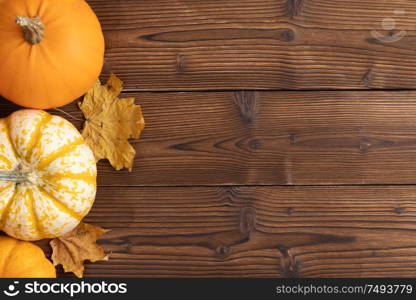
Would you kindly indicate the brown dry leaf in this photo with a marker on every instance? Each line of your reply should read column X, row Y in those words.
column 73, row 248
column 110, row 122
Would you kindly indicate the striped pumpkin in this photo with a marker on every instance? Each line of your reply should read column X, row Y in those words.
column 47, row 175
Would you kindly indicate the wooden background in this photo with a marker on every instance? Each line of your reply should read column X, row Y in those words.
column 280, row 139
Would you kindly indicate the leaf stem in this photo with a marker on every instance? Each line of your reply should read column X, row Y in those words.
column 67, row 114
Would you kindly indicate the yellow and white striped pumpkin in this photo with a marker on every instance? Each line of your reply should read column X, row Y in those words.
column 47, row 175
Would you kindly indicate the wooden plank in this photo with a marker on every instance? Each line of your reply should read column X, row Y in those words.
column 260, row 44
column 268, row 138
column 348, row 231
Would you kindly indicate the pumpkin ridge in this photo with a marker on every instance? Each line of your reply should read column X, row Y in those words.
column 53, row 64
column 6, row 60
column 85, row 176
column 41, row 9
column 61, row 206
column 7, row 208
column 44, row 162
column 8, row 260
column 9, row 137
column 34, row 138
column 6, row 161
column 5, row 187
column 32, row 210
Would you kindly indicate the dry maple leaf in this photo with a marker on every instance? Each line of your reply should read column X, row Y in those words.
column 111, row 122
column 73, row 248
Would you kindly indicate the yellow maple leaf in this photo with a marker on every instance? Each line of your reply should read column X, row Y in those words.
column 111, row 122
column 73, row 248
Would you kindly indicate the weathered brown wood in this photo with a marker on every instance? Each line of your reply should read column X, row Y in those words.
column 346, row 231
column 260, row 44
column 267, row 138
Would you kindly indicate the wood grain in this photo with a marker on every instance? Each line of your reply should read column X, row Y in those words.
column 216, row 189
column 268, row 138
column 262, row 44
column 349, row 231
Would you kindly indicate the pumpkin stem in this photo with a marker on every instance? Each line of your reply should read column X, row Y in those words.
column 15, row 176
column 33, row 29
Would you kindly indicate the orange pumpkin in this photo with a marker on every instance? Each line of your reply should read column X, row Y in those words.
column 51, row 51
column 23, row 259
